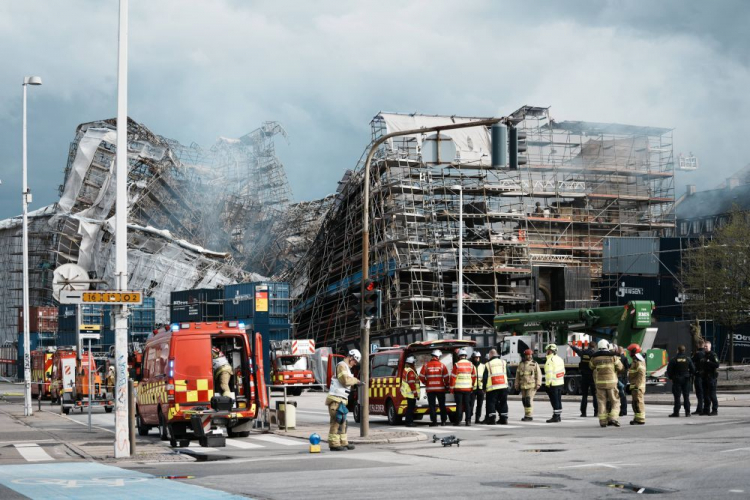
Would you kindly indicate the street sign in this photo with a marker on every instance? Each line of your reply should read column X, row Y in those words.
column 89, row 336
column 106, row 297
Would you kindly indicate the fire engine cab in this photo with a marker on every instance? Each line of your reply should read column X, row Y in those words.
column 291, row 364
column 179, row 393
column 386, row 367
column 41, row 372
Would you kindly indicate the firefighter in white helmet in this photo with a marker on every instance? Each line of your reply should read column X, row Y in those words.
column 410, row 389
column 434, row 377
column 222, row 371
column 338, row 397
column 605, row 366
column 463, row 380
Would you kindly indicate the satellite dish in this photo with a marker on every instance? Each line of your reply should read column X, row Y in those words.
column 65, row 277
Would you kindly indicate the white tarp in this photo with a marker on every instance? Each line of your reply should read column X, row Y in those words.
column 87, row 147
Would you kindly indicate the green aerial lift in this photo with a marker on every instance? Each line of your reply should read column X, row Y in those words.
column 622, row 325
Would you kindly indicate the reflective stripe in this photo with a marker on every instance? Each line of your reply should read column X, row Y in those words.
column 463, row 375
column 554, row 371
column 408, row 380
column 497, row 371
column 480, row 375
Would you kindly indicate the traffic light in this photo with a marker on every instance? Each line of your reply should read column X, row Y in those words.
column 516, row 148
column 368, row 305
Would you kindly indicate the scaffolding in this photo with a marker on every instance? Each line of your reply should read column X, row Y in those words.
column 532, row 238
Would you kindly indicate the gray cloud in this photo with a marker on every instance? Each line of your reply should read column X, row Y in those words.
column 199, row 70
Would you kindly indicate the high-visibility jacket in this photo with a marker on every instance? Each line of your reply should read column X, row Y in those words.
column 554, row 371
column 434, row 376
column 341, row 383
column 409, row 383
column 497, row 374
column 637, row 374
column 605, row 367
column 464, row 376
column 479, row 386
column 528, row 375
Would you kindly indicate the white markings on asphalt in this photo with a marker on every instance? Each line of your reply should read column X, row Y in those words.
column 199, row 449
column 613, row 465
column 314, row 412
column 32, row 452
column 280, row 440
column 734, row 449
column 736, row 491
column 243, row 444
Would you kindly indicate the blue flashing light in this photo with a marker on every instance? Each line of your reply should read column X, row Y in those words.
column 314, row 438
column 242, row 326
column 175, row 327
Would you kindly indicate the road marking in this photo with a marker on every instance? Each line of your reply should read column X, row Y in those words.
column 734, row 449
column 736, row 491
column 613, row 465
column 32, row 452
column 21, row 441
column 243, row 444
column 280, row 440
column 314, row 412
column 441, row 430
column 199, row 449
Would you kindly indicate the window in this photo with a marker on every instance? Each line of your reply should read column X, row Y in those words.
column 709, row 225
column 148, row 363
column 385, row 365
column 684, row 228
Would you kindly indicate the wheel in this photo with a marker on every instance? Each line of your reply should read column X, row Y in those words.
column 357, row 413
column 142, row 428
column 163, row 432
column 65, row 410
column 108, row 409
column 571, row 385
column 241, row 434
column 393, row 417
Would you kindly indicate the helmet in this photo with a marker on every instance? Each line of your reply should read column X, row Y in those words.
column 463, row 352
column 551, row 347
column 634, row 349
column 354, row 353
column 216, row 352
column 437, row 353
column 410, row 359
column 476, row 354
column 528, row 352
column 603, row 345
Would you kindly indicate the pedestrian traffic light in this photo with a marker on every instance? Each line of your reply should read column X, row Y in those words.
column 516, row 148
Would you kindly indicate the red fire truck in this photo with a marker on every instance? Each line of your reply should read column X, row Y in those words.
column 291, row 364
column 41, row 372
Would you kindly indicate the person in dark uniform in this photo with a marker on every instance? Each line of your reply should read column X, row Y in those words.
column 710, row 369
column 622, row 381
column 697, row 360
column 587, row 377
column 679, row 371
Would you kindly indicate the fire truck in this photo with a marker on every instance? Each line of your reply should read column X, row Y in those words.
column 41, row 372
column 70, row 382
column 291, row 364
column 178, row 392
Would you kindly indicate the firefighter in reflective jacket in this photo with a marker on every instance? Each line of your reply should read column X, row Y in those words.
column 338, row 397
column 222, row 371
column 463, row 380
column 477, row 395
column 496, row 382
column 528, row 381
column 410, row 389
column 605, row 366
column 554, row 378
column 637, row 384
column 434, row 377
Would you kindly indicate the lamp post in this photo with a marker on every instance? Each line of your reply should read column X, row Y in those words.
column 460, row 305
column 27, row 410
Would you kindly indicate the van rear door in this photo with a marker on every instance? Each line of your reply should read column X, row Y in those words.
column 192, row 369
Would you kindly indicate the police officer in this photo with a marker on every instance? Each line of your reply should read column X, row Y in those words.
column 587, row 377
column 496, row 381
column 477, row 395
column 222, row 370
column 410, row 389
column 679, row 371
column 606, row 365
column 338, row 395
column 434, row 377
column 463, row 380
column 697, row 359
column 554, row 378
column 710, row 369
column 637, row 383
column 622, row 381
column 528, row 381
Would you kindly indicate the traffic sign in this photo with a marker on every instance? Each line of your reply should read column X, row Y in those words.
column 89, row 336
column 101, row 297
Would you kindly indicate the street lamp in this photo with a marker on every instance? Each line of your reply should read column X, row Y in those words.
column 27, row 410
column 460, row 306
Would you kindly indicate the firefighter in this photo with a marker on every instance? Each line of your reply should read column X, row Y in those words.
column 463, row 380
column 606, row 366
column 477, row 394
column 528, row 381
column 679, row 371
column 637, row 384
column 587, row 377
column 554, row 375
column 410, row 389
column 338, row 397
column 434, row 377
column 222, row 371
column 110, row 380
column 496, row 381
column 710, row 369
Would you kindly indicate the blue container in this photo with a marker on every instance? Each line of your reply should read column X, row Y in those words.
column 203, row 304
column 263, row 299
column 91, row 314
column 33, row 344
column 66, row 318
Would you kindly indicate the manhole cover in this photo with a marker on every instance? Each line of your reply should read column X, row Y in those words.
column 634, row 488
column 524, row 485
column 542, row 450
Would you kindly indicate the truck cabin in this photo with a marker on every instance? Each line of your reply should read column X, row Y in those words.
column 291, row 363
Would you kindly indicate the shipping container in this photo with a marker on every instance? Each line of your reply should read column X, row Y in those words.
column 41, row 319
column 256, row 300
column 268, row 332
column 631, row 255
column 200, row 305
column 91, row 314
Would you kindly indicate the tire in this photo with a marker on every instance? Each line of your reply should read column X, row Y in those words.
column 572, row 386
column 357, row 413
column 65, row 410
column 391, row 412
column 163, row 431
column 241, row 434
column 297, row 391
column 108, row 409
column 177, row 434
column 142, row 428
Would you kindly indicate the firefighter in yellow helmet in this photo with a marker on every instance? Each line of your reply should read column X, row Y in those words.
column 528, row 381
column 554, row 378
column 637, row 384
column 222, row 371
column 338, row 397
column 606, row 366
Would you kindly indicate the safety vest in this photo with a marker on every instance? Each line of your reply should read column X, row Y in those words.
column 554, row 371
column 409, row 385
column 338, row 389
column 434, row 376
column 497, row 374
column 480, row 376
column 463, row 376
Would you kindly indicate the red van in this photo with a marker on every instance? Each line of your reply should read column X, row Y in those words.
column 178, row 382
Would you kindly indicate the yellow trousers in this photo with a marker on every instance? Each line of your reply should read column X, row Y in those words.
column 527, row 398
column 639, row 408
column 337, row 431
column 604, row 397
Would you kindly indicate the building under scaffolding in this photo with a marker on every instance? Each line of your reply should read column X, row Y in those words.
column 532, row 238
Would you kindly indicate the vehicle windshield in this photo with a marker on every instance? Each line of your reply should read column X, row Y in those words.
column 291, row 363
column 505, row 349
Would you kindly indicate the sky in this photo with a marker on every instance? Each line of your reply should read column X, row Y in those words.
column 203, row 69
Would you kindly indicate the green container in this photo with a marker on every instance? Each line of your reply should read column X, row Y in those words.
column 655, row 359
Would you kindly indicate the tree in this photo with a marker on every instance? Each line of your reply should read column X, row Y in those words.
column 716, row 276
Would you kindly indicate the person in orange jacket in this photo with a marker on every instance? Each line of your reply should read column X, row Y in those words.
column 434, row 378
column 410, row 389
column 463, row 380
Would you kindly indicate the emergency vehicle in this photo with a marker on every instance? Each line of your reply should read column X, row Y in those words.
column 176, row 392
column 41, row 372
column 291, row 364
column 70, row 382
column 386, row 367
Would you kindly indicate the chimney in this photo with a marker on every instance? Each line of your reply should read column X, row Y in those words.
column 690, row 189
column 732, row 182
